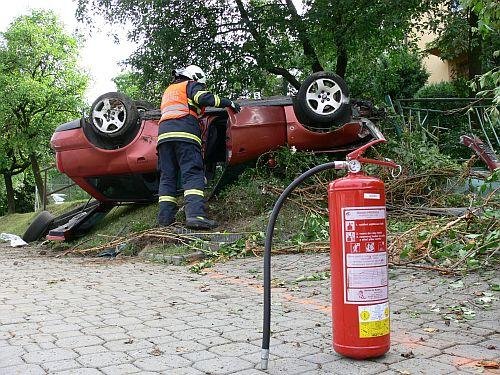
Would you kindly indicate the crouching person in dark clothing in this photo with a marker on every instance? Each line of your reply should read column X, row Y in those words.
column 179, row 146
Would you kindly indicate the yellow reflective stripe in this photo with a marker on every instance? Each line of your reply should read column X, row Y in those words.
column 179, row 135
column 174, row 107
column 198, row 94
column 175, row 113
column 167, row 198
column 194, row 192
column 198, row 109
column 217, row 100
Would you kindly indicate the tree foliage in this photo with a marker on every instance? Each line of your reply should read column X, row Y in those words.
column 242, row 43
column 397, row 72
column 42, row 87
column 488, row 13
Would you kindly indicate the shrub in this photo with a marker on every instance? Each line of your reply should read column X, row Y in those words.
column 398, row 73
column 450, row 125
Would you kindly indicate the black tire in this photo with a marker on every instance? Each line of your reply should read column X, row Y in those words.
column 39, row 226
column 143, row 106
column 67, row 216
column 113, row 115
column 322, row 101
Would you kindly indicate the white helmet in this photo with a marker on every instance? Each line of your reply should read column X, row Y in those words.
column 193, row 72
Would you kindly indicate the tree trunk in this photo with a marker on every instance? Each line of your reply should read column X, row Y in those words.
column 307, row 46
column 11, row 203
column 474, row 53
column 341, row 61
column 38, row 177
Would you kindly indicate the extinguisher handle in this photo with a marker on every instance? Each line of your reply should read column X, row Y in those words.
column 386, row 163
column 356, row 154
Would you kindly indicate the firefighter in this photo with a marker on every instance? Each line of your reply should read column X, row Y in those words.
column 179, row 146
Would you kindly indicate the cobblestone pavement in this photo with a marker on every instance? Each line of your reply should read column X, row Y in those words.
column 86, row 316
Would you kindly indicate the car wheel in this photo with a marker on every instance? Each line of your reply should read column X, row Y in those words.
column 38, row 227
column 113, row 115
column 322, row 101
column 143, row 106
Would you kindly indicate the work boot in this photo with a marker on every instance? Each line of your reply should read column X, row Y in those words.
column 166, row 223
column 200, row 222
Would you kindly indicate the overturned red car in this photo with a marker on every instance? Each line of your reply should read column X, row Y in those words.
column 112, row 153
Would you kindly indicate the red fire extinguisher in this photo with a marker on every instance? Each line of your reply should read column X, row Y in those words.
column 358, row 255
column 360, row 305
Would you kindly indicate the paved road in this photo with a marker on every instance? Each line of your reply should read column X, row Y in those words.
column 82, row 316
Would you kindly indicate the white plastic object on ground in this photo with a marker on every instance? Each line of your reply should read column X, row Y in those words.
column 15, row 240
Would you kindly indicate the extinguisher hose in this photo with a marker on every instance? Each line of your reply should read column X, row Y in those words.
column 266, row 331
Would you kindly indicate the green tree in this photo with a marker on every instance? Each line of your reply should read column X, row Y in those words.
column 397, row 72
column 241, row 43
column 129, row 84
column 360, row 28
column 488, row 13
column 42, row 87
column 458, row 33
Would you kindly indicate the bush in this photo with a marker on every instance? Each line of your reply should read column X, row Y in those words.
column 438, row 90
column 450, row 125
column 398, row 73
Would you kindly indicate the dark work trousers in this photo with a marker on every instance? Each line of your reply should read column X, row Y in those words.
column 175, row 156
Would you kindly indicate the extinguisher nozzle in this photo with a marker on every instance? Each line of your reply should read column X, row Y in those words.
column 264, row 359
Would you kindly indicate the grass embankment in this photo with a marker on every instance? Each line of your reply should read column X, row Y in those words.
column 446, row 243
column 18, row 223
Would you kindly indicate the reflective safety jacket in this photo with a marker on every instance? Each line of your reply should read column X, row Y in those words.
column 175, row 102
column 182, row 103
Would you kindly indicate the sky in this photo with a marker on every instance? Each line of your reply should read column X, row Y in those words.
column 100, row 56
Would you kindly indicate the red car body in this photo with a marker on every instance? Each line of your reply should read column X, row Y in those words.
column 129, row 173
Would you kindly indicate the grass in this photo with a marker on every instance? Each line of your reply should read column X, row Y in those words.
column 120, row 221
column 18, row 223
column 245, row 206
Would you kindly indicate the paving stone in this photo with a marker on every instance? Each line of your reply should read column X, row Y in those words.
column 23, row 369
column 423, row 366
column 222, row 365
column 90, row 349
column 319, row 358
column 473, row 352
column 180, row 346
column 78, row 341
column 290, row 366
column 199, row 355
column 213, row 341
column 255, row 372
column 195, row 333
column 294, row 350
column 129, row 312
column 120, row 369
column 80, row 371
column 452, row 360
column 59, row 328
column 162, row 362
column 10, row 361
column 128, row 345
column 104, row 359
column 350, row 366
column 10, row 352
column 51, row 355
column 234, row 349
column 67, row 364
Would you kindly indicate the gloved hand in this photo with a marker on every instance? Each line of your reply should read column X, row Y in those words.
column 235, row 106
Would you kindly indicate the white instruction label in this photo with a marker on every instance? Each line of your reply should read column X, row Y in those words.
column 365, row 254
column 366, row 277
column 367, row 294
column 366, row 260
